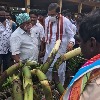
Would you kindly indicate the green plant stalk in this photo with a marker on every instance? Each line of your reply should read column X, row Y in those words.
column 16, row 88
column 32, row 63
column 67, row 56
column 44, row 82
column 41, row 76
column 46, row 89
column 60, row 88
column 27, row 83
column 58, row 85
column 59, row 61
column 44, row 68
column 9, row 71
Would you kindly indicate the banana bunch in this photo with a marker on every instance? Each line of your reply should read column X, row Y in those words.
column 21, row 76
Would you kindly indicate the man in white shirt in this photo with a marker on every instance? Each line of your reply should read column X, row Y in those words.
column 38, row 33
column 22, row 41
column 52, row 33
column 5, row 33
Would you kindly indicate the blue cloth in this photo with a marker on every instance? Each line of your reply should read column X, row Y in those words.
column 85, row 70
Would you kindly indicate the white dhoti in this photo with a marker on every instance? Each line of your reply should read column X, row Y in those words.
column 65, row 30
column 61, row 73
column 62, row 67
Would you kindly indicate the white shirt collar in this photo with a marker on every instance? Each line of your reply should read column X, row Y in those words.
column 21, row 30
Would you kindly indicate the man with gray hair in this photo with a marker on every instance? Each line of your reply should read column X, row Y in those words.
column 57, row 27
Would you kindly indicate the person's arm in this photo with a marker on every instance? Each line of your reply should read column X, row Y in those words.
column 42, row 51
column 70, row 35
column 15, row 43
column 42, row 39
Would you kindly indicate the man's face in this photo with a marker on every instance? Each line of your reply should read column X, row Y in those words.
column 40, row 17
column 33, row 18
column 52, row 15
column 27, row 26
column 8, row 16
column 2, row 16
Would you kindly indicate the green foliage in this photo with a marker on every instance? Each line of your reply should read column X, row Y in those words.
column 75, row 63
column 7, row 82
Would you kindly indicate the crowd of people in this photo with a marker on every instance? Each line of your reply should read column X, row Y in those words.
column 32, row 37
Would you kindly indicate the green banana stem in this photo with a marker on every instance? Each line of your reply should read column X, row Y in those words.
column 33, row 64
column 58, row 85
column 60, row 88
column 44, row 82
column 9, row 71
column 16, row 88
column 59, row 61
column 67, row 56
column 44, row 68
column 27, row 83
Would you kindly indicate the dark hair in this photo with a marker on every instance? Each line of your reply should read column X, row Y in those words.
column 54, row 6
column 79, row 20
column 33, row 12
column 2, row 8
column 90, row 26
column 42, row 12
column 68, row 14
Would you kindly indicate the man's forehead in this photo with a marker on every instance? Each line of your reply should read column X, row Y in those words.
column 28, row 22
column 52, row 11
column 33, row 15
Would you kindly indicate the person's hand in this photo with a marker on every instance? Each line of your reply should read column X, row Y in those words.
column 70, row 46
column 41, row 54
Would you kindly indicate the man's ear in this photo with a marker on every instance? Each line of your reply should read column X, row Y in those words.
column 92, row 42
